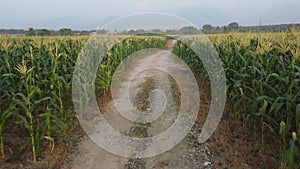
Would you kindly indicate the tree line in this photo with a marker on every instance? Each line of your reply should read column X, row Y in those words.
column 43, row 32
column 190, row 30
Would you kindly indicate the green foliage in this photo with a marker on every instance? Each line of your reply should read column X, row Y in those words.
column 44, row 32
column 263, row 80
column 119, row 52
column 35, row 83
column 233, row 26
column 189, row 30
column 207, row 28
column 65, row 32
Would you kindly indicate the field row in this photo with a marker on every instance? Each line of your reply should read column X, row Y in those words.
column 262, row 76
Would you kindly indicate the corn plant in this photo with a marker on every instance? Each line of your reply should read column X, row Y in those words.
column 263, row 80
column 25, row 101
column 119, row 52
column 35, row 83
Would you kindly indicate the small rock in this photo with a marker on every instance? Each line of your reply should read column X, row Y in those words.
column 207, row 164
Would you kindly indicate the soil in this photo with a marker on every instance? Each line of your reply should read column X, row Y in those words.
column 188, row 154
column 231, row 146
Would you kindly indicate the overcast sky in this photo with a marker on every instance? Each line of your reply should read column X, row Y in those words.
column 71, row 13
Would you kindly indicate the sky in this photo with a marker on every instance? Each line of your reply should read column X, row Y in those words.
column 87, row 14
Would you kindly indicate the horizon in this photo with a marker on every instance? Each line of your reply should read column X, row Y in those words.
column 99, row 28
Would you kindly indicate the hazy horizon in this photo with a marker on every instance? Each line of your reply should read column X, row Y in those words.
column 86, row 15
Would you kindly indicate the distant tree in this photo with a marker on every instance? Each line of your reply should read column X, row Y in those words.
column 171, row 31
column 131, row 32
column 207, row 28
column 65, row 32
column 189, row 30
column 157, row 31
column 225, row 29
column 233, row 26
column 84, row 32
column 30, row 32
column 102, row 31
column 218, row 29
column 140, row 31
column 43, row 32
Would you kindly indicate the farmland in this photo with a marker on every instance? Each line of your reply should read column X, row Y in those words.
column 262, row 72
column 262, row 75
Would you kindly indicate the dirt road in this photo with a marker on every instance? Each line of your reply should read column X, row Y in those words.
column 187, row 154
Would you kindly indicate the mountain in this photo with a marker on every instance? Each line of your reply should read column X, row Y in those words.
column 202, row 14
column 65, row 22
column 284, row 13
column 287, row 12
column 198, row 15
column 101, row 22
column 73, row 22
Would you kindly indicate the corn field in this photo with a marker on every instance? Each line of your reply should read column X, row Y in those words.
column 263, row 84
column 36, row 75
column 262, row 71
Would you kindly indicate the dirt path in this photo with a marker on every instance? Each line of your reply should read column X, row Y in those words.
column 187, row 154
